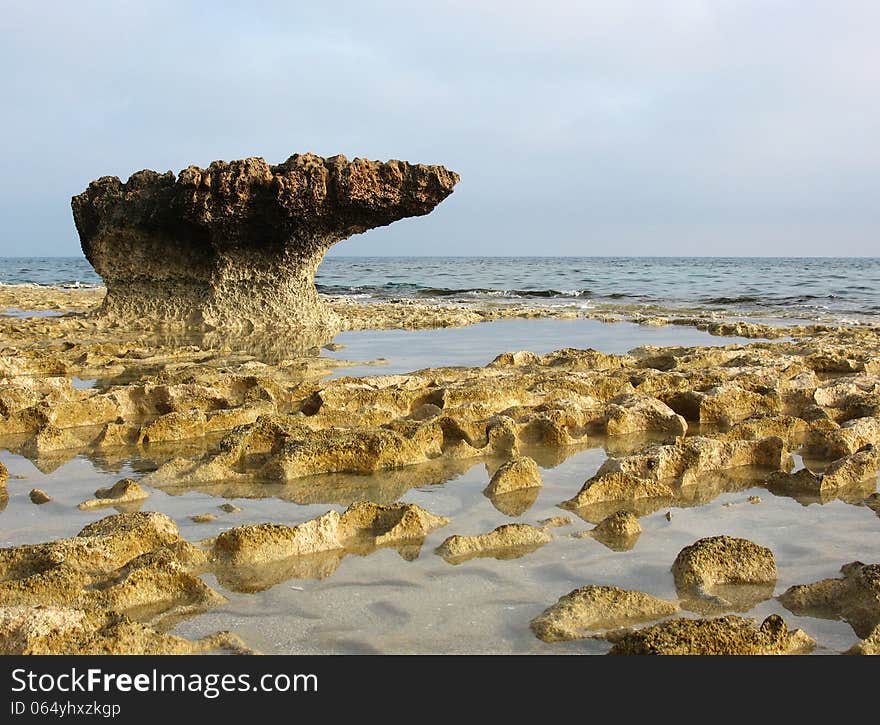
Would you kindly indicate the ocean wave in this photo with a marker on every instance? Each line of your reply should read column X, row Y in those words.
column 398, row 289
column 744, row 299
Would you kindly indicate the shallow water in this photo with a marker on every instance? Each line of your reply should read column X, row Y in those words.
column 418, row 603
column 385, row 603
column 17, row 312
column 477, row 345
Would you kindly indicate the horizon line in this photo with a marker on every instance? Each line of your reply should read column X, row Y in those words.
column 528, row 256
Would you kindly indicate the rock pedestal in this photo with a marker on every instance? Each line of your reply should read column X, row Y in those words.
column 237, row 245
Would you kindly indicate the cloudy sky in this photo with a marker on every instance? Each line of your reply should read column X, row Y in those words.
column 614, row 127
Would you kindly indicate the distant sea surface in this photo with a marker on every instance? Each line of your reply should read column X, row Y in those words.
column 833, row 289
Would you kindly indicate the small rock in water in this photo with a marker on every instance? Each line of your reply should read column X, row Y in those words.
column 229, row 508
column 39, row 496
column 754, row 499
column 669, row 515
column 555, row 521
column 121, row 492
column 202, row 518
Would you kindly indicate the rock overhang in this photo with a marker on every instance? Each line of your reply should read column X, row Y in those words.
column 237, row 244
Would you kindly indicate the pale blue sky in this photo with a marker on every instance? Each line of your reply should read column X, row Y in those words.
column 578, row 128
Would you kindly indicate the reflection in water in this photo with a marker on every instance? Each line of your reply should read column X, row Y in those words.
column 698, row 492
column 722, row 598
column 383, row 487
column 253, row 577
column 856, row 494
column 504, row 553
column 259, row 577
column 390, row 485
column 615, row 543
column 269, row 346
column 514, row 503
column 111, row 460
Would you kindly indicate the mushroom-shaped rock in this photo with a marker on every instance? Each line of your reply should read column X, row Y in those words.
column 729, row 635
column 237, row 245
column 591, row 609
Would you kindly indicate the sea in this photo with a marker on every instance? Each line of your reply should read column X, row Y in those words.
column 844, row 290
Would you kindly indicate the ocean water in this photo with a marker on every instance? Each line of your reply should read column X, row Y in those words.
column 833, row 289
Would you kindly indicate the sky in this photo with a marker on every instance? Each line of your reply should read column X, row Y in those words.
column 618, row 127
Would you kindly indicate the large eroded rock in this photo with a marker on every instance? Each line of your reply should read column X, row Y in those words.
column 237, row 244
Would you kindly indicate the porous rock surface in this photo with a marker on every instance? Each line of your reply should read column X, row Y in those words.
column 855, row 598
column 362, row 526
column 723, row 560
column 514, row 475
column 122, row 493
column 658, row 474
column 870, row 645
column 46, row 630
column 618, row 531
column 508, row 541
column 237, row 244
column 238, row 416
column 589, row 610
column 730, row 635
column 850, row 471
column 106, row 590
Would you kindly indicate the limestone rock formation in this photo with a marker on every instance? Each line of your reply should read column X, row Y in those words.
column 720, row 573
column 729, row 635
column 855, row 598
column 723, row 560
column 618, row 532
column 636, row 413
column 591, row 609
column 870, row 645
column 363, row 527
column 236, row 245
column 64, row 630
column 508, row 541
column 38, row 496
column 110, row 589
column 124, row 493
column 518, row 473
column 857, row 470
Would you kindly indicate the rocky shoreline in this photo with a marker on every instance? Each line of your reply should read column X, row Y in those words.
column 683, row 426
